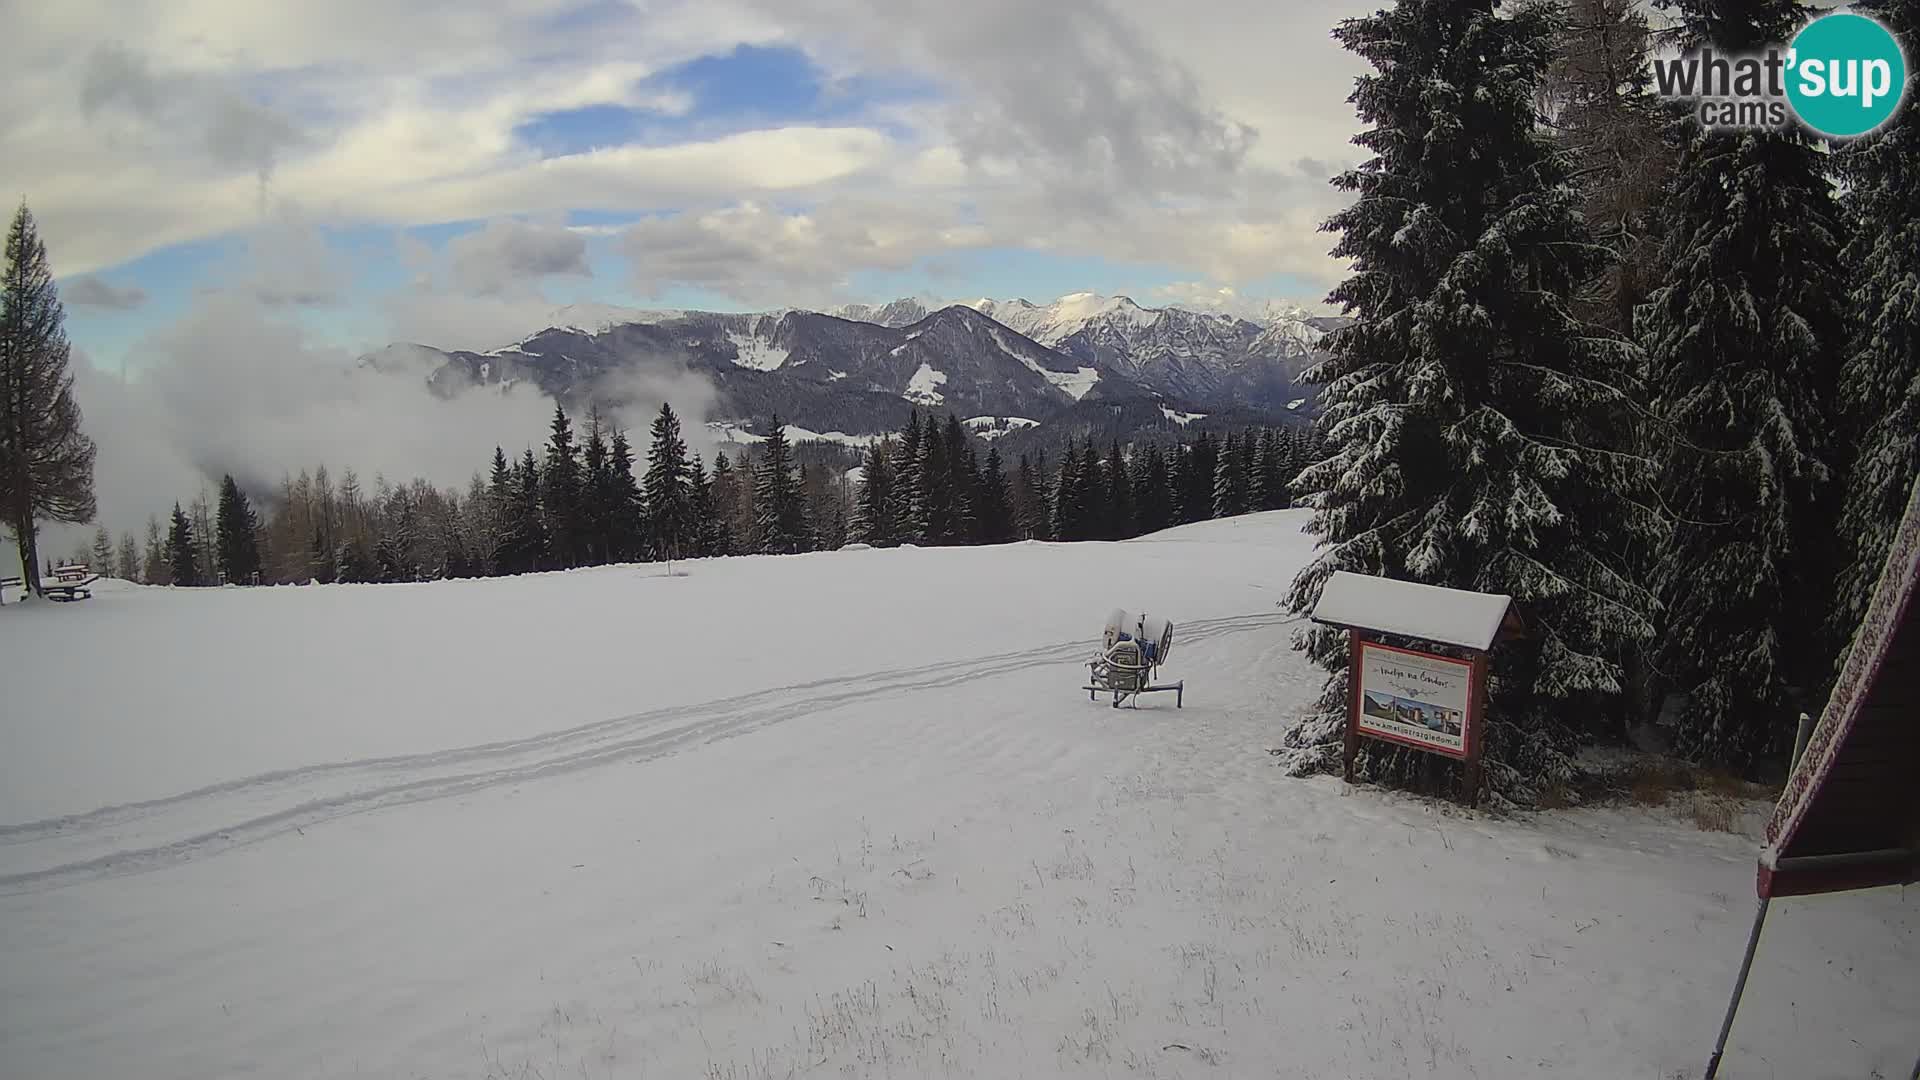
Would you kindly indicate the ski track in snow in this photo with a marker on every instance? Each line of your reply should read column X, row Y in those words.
column 134, row 838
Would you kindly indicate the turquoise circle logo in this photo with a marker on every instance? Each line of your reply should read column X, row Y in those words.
column 1846, row 75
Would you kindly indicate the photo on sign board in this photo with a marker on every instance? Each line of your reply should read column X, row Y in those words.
column 1415, row 698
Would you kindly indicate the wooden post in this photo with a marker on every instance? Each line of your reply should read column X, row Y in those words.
column 1475, row 738
column 1353, row 708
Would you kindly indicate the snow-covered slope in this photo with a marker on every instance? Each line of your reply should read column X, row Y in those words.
column 768, row 818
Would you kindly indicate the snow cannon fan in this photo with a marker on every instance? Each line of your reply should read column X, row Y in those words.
column 1131, row 650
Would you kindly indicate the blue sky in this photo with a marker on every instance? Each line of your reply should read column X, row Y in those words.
column 735, row 157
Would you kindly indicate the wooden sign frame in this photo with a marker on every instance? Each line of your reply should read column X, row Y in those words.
column 1475, row 711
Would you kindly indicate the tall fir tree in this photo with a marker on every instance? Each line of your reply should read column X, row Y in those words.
column 1745, row 337
column 702, row 526
column 873, row 504
column 598, row 501
column 995, row 501
column 780, row 525
column 1069, row 499
column 1199, row 467
column 962, row 470
column 182, row 557
column 1229, row 480
column 1029, row 503
column 725, row 496
column 1153, row 491
column 670, row 524
column 237, row 527
column 1880, row 384
column 1466, row 407
column 933, row 504
column 627, row 502
column 1271, row 471
column 1097, row 515
column 46, row 461
column 560, row 492
column 908, row 526
column 1121, row 518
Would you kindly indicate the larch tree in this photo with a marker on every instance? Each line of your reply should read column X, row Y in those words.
column 128, row 562
column 1745, row 336
column 1466, row 407
column 46, row 461
column 101, row 557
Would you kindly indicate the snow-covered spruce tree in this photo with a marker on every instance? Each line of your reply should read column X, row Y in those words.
column 1152, row 491
column 560, row 491
column 1880, row 383
column 627, row 502
column 1745, row 336
column 908, row 527
column 1465, row 409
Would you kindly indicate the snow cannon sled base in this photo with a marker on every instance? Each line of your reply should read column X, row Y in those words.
column 1131, row 651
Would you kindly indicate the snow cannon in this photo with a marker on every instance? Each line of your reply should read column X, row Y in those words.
column 1131, row 650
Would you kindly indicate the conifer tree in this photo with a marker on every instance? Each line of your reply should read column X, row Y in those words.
column 933, row 506
column 157, row 567
column 1201, row 464
column 1272, row 470
column 1121, row 524
column 725, row 497
column 1069, row 499
column 1229, row 481
column 181, row 556
column 237, row 526
column 1880, row 383
column 560, row 492
column 1152, row 491
column 1097, row 514
column 627, row 501
column 1745, row 339
column 995, row 501
column 873, row 504
column 668, row 487
column 101, row 558
column 46, row 461
column 1029, row 504
column 205, row 546
column 128, row 563
column 598, row 510
column 908, row 526
column 700, row 511
column 962, row 470
column 780, row 523
column 1468, row 412
column 1598, row 98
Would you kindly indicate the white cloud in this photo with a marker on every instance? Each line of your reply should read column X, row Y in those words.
column 507, row 253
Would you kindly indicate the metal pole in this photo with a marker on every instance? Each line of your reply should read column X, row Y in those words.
column 1916, row 1070
column 1739, row 987
column 1801, row 735
column 1800, row 738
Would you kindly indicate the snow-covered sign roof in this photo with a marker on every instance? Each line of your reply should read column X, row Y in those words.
column 1470, row 620
column 1848, row 818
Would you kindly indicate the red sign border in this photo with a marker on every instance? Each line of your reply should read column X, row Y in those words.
column 1476, row 708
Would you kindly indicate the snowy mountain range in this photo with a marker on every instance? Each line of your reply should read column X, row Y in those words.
column 1084, row 359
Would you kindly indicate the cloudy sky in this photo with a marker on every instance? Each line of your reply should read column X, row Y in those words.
column 297, row 183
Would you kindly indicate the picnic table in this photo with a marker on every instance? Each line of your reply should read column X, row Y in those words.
column 69, row 583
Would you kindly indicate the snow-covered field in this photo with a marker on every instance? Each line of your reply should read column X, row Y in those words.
column 842, row 814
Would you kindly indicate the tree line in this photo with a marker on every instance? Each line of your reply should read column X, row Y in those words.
column 586, row 501
column 1660, row 383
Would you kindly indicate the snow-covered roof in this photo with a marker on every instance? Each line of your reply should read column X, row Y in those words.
column 1470, row 620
